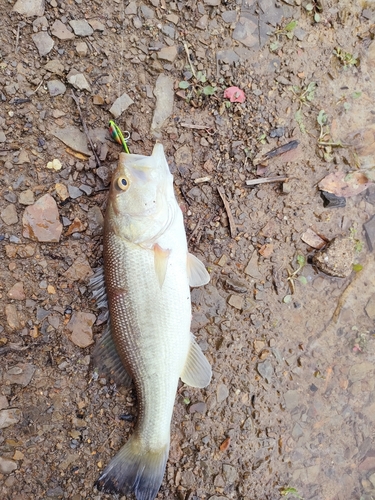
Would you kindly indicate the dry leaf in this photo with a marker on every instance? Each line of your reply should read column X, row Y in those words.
column 225, row 444
column 344, row 185
column 80, row 156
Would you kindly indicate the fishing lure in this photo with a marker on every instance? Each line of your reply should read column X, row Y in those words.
column 117, row 135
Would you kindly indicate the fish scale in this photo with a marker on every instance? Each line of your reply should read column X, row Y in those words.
column 147, row 338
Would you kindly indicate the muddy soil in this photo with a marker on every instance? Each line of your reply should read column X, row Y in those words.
column 290, row 411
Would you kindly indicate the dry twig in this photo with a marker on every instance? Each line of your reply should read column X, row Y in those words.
column 232, row 224
column 265, row 180
column 76, row 100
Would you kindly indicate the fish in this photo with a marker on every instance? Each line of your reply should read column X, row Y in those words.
column 145, row 285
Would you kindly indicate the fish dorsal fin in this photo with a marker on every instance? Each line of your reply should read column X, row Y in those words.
column 197, row 273
column 97, row 286
column 108, row 361
column 161, row 257
column 197, row 371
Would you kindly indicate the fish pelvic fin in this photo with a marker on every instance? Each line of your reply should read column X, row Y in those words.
column 197, row 273
column 161, row 257
column 135, row 469
column 197, row 371
column 107, row 360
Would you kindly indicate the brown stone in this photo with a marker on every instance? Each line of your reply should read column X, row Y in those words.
column 41, row 220
column 12, row 317
column 79, row 270
column 80, row 327
column 17, row 291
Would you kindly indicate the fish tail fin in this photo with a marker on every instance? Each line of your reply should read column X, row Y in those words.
column 135, row 470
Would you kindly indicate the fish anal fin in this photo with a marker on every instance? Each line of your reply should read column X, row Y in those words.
column 107, row 360
column 197, row 371
column 197, row 273
column 135, row 470
column 161, row 257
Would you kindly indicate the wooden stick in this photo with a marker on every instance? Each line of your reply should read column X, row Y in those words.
column 75, row 99
column 191, row 125
column 232, row 224
column 265, row 180
column 190, row 63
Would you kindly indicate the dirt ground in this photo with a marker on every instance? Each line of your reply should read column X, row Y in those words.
column 290, row 411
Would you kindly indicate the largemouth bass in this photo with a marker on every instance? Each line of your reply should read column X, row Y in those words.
column 148, row 271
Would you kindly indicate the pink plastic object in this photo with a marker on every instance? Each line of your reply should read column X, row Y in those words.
column 234, row 94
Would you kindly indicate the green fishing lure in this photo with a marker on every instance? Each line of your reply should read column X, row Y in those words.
column 117, row 135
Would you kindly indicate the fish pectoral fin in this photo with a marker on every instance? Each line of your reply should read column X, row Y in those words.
column 135, row 469
column 108, row 361
column 197, row 273
column 161, row 257
column 197, row 371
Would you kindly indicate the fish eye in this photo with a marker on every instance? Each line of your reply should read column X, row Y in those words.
column 122, row 183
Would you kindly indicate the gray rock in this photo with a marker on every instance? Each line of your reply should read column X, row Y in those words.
column 222, row 392
column 95, row 218
column 168, row 53
column 203, row 22
column 86, row 189
column 291, row 399
column 265, row 369
column 147, row 13
column 252, row 267
column 3, row 402
column 164, row 101
column 81, row 27
column 10, row 196
column 370, row 307
column 29, row 8
column 104, row 174
column 60, row 31
column 183, row 156
column 211, row 2
column 55, row 87
column 246, row 32
column 43, row 42
column 227, row 56
column 78, row 80
column 81, row 49
column 361, row 371
column 57, row 492
column 20, row 374
column 120, row 105
column 229, row 473
column 55, row 66
column 131, row 9
column 9, row 215
column 74, row 192
column 236, row 301
column 229, row 16
column 3, row 137
column 337, row 258
column 369, row 228
column 9, row 417
column 198, row 408
column 7, row 466
column 74, row 138
column 26, row 197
